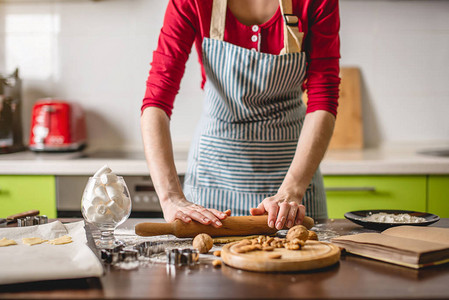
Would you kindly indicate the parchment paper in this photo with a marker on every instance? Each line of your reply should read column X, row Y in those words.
column 23, row 263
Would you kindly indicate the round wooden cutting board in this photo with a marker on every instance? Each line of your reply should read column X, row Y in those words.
column 314, row 255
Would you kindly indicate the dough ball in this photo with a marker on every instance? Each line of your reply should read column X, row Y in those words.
column 313, row 235
column 203, row 243
column 298, row 232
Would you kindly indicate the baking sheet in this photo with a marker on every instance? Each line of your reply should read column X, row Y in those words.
column 23, row 263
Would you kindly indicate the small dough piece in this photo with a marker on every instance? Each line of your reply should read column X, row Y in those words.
column 217, row 253
column 203, row 243
column 6, row 242
column 297, row 232
column 61, row 240
column 33, row 241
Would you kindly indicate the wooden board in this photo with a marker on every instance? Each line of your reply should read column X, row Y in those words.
column 314, row 255
column 348, row 132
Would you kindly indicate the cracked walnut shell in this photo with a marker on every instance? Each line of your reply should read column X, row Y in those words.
column 298, row 232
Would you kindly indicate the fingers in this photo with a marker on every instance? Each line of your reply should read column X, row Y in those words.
column 228, row 212
column 300, row 215
column 291, row 217
column 182, row 216
column 199, row 217
column 281, row 213
column 272, row 209
column 284, row 208
column 259, row 210
column 219, row 214
column 209, row 215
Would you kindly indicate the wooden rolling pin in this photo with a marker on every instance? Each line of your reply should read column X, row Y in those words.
column 232, row 226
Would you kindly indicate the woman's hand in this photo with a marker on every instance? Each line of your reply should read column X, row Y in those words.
column 284, row 209
column 186, row 211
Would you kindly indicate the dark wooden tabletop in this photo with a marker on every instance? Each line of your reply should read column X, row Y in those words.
column 353, row 277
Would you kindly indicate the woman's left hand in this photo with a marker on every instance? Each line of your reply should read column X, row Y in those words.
column 283, row 209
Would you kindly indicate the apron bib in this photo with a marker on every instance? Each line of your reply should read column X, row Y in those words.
column 251, row 122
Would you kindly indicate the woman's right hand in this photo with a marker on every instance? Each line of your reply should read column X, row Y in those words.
column 187, row 211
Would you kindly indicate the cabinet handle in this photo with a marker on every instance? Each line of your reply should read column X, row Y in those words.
column 351, row 189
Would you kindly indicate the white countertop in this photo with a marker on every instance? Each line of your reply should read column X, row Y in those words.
column 402, row 160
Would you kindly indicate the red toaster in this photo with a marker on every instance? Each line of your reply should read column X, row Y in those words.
column 57, row 125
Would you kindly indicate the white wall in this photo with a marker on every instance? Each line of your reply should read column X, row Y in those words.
column 98, row 54
column 402, row 48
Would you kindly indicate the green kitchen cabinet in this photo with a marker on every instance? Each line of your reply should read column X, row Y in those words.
column 19, row 193
column 438, row 195
column 349, row 193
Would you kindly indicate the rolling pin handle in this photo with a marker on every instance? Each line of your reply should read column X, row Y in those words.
column 153, row 229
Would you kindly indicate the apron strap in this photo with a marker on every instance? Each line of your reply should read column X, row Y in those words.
column 292, row 36
column 217, row 23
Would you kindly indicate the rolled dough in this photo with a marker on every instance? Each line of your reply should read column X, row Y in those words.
column 61, row 240
column 32, row 241
column 6, row 242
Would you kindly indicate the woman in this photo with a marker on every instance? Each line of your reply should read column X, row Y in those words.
column 257, row 148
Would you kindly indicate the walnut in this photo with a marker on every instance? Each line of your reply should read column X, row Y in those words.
column 298, row 232
column 308, row 222
column 203, row 242
column 313, row 235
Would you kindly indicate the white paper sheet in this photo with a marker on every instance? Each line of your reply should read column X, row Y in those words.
column 23, row 263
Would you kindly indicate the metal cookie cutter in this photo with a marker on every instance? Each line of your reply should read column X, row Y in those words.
column 30, row 221
column 128, row 255
column 148, row 248
column 119, row 254
column 185, row 256
column 111, row 255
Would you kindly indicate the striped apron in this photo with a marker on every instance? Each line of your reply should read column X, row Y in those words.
column 250, row 126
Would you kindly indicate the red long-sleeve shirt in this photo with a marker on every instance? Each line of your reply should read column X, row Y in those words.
column 188, row 21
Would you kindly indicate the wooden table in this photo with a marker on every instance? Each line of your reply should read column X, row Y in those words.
column 354, row 277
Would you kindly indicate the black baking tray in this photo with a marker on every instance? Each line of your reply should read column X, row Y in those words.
column 357, row 217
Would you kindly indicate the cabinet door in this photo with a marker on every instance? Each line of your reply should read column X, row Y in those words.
column 19, row 193
column 349, row 193
column 438, row 200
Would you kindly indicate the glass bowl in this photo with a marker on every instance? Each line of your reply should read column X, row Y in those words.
column 106, row 204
